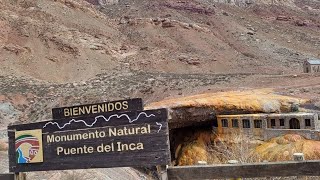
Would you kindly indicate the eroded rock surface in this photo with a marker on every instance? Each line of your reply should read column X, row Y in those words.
column 189, row 110
column 282, row 148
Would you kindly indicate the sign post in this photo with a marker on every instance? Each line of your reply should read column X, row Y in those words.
column 127, row 139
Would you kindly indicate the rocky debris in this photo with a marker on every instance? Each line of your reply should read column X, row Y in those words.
column 189, row 60
column 147, row 90
column 83, row 6
column 15, row 49
column 144, row 48
column 124, row 48
column 225, row 13
column 190, row 7
column 198, row 28
column 65, row 46
column 107, row 2
column 250, row 33
column 94, row 2
column 27, row 4
column 124, row 20
column 252, row 29
column 163, row 22
column 283, row 18
column 300, row 23
column 167, row 23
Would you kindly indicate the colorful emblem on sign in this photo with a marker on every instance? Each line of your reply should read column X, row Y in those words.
column 28, row 146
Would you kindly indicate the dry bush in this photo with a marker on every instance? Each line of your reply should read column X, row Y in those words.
column 233, row 147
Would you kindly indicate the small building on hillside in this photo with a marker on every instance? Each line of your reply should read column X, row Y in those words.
column 266, row 126
column 311, row 66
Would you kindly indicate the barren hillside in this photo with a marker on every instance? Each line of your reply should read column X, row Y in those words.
column 68, row 52
column 63, row 41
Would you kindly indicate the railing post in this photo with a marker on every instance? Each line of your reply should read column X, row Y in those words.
column 298, row 157
column 163, row 172
column 20, row 176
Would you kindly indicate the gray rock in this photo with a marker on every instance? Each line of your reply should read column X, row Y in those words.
column 250, row 32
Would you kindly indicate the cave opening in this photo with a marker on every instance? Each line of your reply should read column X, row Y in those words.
column 179, row 137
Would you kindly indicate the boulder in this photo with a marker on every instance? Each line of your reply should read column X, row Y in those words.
column 283, row 18
column 167, row 23
column 300, row 23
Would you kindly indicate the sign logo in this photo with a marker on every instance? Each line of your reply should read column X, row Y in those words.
column 28, row 146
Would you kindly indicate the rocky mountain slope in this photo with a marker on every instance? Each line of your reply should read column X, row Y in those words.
column 69, row 40
column 68, row 52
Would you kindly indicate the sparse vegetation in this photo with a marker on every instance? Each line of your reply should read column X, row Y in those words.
column 234, row 147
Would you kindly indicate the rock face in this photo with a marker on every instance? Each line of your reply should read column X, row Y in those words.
column 282, row 148
column 192, row 141
column 3, row 145
column 250, row 2
column 187, row 111
column 107, row 2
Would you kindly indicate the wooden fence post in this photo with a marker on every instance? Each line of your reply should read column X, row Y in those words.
column 162, row 170
column 20, row 176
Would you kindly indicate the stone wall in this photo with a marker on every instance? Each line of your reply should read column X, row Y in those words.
column 287, row 117
column 252, row 133
column 317, row 121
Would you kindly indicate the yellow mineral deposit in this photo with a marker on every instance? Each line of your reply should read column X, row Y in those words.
column 195, row 150
column 282, row 148
column 255, row 101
